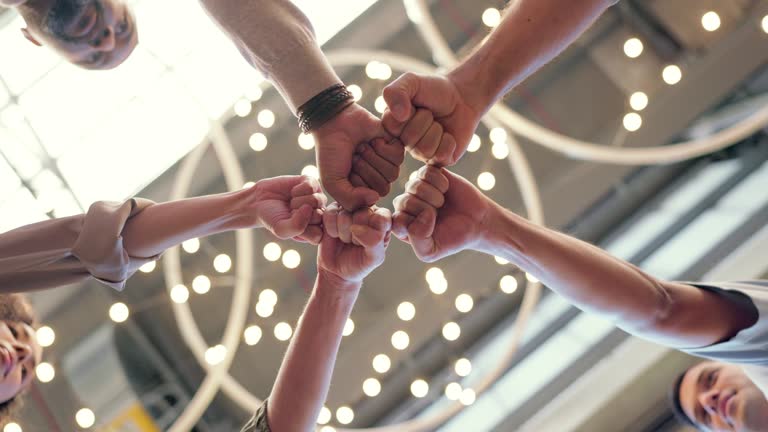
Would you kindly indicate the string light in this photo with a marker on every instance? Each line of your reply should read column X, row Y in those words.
column 380, row 105
column 291, row 259
column 508, row 284
column 632, row 121
column 531, row 278
column 12, row 427
column 119, row 312
column 191, row 246
column 272, row 251
column 252, row 335
column 467, row 397
column 474, row 144
column 85, row 418
column 215, row 354
column 434, row 274
column 222, row 263
column 381, row 363
column 419, row 388
column 45, row 336
column 638, row 101
column 324, row 416
column 356, row 91
column 500, row 150
column 500, row 260
column 327, row 429
column 486, row 181
column 764, row 23
column 264, row 310
column 148, row 267
column 283, row 331
column 400, row 340
column 345, row 415
column 464, row 303
column 349, row 327
column 451, row 331
column 439, row 287
column 672, row 74
column 371, row 387
column 306, row 141
column 268, row 296
column 254, row 93
column 179, row 294
column 201, row 284
column 249, row 185
column 45, row 372
column 453, row 391
column 710, row 21
column 243, row 107
column 491, row 17
column 266, row 118
column 633, row 47
column 311, row 171
column 406, row 311
column 258, row 141
column 463, row 367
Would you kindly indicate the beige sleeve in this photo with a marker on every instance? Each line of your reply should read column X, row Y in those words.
column 68, row 250
column 278, row 40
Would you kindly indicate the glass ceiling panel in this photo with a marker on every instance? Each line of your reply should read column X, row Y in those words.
column 20, row 148
column 19, row 209
column 9, row 181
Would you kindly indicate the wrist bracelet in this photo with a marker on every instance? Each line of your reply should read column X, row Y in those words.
column 323, row 107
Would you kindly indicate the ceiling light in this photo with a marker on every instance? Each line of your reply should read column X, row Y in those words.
column 249, row 185
column 531, row 278
column 453, row 391
column 306, row 141
column 242, row 107
column 254, row 93
column 500, row 150
column 356, row 91
column 252, row 335
column 486, row 181
column 324, row 416
column 272, row 251
column 327, row 429
column 12, row 427
column 419, row 388
column 384, row 72
column 672, row 74
column 179, row 294
column 491, row 17
column 201, row 284
column 498, row 135
column 464, row 303
column 291, row 259
column 215, row 354
column 222, row 263
column 434, row 274
column 632, row 121
column 349, row 327
column 633, row 47
column 380, row 104
column 765, row 23
column 372, row 69
column 311, row 171
column 451, row 331
column 266, row 118
column 467, row 397
column 638, row 101
column 439, row 287
column 85, row 418
column 463, row 367
column 710, row 21
column 148, row 267
column 118, row 312
column 45, row 372
column 474, row 144
column 406, row 311
column 381, row 363
column 264, row 310
column 345, row 415
column 500, row 260
column 371, row 387
column 258, row 141
column 191, row 245
column 283, row 331
column 45, row 336
column 400, row 340
column 508, row 284
column 268, row 296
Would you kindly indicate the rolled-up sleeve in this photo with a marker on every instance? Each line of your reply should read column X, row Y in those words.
column 258, row 423
column 71, row 249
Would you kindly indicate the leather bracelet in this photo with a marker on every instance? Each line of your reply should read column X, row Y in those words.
column 323, row 107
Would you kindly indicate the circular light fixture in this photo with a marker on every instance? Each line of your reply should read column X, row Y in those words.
column 148, row 267
column 498, row 135
column 491, row 17
column 371, row 387
column 419, row 388
column 252, row 335
column 264, row 310
column 349, row 327
column 85, row 418
column 439, row 287
column 500, row 150
column 463, row 367
column 381, row 363
column 191, row 245
column 222, row 263
column 434, row 274
column 764, row 23
column 453, row 391
column 254, row 93
column 179, row 294
column 486, row 181
column 12, row 427
column 400, row 340
column 266, row 118
column 242, row 107
column 467, row 397
column 324, row 416
column 464, row 303
column 710, row 21
column 356, row 91
column 311, row 171
column 291, row 259
column 508, row 284
column 638, row 101
column 500, row 260
column 268, row 297
column 632, row 121
column 306, row 141
column 283, row 331
column 474, row 144
column 215, row 354
column 258, row 141
column 345, row 415
column 406, row 311
column 633, row 47
column 272, row 251
column 45, row 336
column 118, row 312
column 672, row 74
column 531, row 278
column 380, row 105
column 451, row 331
column 45, row 372
column 249, row 185
column 201, row 284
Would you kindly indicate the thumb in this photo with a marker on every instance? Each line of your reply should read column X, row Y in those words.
column 399, row 95
column 296, row 224
column 366, row 236
column 424, row 224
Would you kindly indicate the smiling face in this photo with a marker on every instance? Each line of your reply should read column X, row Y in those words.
column 720, row 397
column 93, row 34
column 19, row 356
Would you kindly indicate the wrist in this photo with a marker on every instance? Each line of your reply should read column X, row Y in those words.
column 336, row 122
column 244, row 211
column 327, row 281
column 472, row 87
column 497, row 231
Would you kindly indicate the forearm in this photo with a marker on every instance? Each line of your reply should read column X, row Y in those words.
column 305, row 375
column 587, row 276
column 532, row 33
column 168, row 224
column 276, row 38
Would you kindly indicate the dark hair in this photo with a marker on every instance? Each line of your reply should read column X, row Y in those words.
column 677, row 407
column 14, row 307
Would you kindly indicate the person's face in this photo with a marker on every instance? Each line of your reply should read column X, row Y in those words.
column 94, row 34
column 720, row 397
column 19, row 356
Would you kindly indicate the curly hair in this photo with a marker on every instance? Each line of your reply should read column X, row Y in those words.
column 14, row 308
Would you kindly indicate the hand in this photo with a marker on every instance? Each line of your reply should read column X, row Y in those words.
column 289, row 206
column 377, row 164
column 432, row 115
column 354, row 242
column 337, row 141
column 440, row 214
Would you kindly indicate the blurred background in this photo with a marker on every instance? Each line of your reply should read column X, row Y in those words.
column 648, row 73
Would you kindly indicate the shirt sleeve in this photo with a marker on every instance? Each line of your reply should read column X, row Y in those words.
column 258, row 423
column 277, row 39
column 72, row 249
